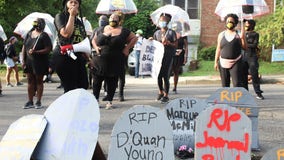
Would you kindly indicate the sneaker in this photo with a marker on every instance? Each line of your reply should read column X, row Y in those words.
column 121, row 98
column 259, row 96
column 38, row 105
column 28, row 105
column 19, row 84
column 1, row 95
column 9, row 85
column 175, row 90
column 109, row 105
column 159, row 97
column 165, row 100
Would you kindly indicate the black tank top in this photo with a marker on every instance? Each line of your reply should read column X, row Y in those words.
column 232, row 49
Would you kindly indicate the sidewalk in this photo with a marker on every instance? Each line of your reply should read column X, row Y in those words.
column 266, row 79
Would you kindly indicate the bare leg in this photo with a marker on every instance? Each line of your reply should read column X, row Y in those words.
column 39, row 86
column 31, row 86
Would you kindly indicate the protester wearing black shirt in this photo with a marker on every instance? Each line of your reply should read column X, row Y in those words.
column 251, row 64
column 72, row 72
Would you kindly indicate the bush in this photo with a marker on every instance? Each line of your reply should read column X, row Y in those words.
column 207, row 53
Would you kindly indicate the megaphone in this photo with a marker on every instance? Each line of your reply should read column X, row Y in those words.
column 83, row 46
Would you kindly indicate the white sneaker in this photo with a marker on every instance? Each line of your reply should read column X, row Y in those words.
column 109, row 105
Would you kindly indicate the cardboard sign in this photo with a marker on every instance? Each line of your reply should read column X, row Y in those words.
column 22, row 137
column 182, row 113
column 277, row 153
column 72, row 130
column 151, row 56
column 222, row 133
column 143, row 132
column 241, row 99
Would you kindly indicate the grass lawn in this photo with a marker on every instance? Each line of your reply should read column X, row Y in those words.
column 206, row 68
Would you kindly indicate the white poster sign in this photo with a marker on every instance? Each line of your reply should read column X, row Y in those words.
column 151, row 57
column 22, row 137
column 143, row 132
column 73, row 126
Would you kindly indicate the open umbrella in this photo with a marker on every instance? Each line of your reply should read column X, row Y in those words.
column 2, row 33
column 177, row 13
column 26, row 24
column 110, row 6
column 245, row 9
column 182, row 27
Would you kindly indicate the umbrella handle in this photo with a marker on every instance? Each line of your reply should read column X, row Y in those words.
column 36, row 42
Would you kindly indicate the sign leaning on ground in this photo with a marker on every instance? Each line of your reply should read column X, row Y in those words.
column 222, row 133
column 73, row 126
column 276, row 153
column 22, row 137
column 142, row 132
column 182, row 113
column 241, row 99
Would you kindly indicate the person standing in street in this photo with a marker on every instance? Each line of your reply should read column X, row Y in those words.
column 169, row 39
column 137, row 49
column 70, row 67
column 10, row 61
column 113, row 45
column 37, row 45
column 228, row 55
column 180, row 58
column 251, row 64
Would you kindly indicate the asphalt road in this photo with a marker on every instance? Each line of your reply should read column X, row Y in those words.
column 137, row 92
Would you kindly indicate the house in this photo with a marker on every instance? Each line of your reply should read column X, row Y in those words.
column 206, row 24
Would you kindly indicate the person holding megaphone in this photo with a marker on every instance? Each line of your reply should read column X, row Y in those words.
column 72, row 52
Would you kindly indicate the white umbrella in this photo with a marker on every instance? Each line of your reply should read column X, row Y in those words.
column 182, row 28
column 110, row 6
column 88, row 26
column 2, row 33
column 177, row 13
column 26, row 24
column 245, row 9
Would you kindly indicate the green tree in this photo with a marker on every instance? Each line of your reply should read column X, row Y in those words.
column 270, row 29
column 142, row 19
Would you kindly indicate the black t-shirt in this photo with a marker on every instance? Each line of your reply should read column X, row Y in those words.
column 78, row 35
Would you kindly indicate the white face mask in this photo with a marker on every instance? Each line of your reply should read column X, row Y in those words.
column 163, row 24
column 137, row 35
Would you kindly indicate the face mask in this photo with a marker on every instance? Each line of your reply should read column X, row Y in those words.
column 35, row 24
column 247, row 28
column 113, row 23
column 230, row 25
column 162, row 24
column 103, row 23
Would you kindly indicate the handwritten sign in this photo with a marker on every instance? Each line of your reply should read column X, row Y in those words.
column 72, row 130
column 143, row 132
column 151, row 56
column 241, row 99
column 277, row 54
column 22, row 137
column 182, row 113
column 222, row 132
column 276, row 153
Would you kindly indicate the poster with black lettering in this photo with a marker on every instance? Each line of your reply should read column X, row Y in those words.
column 73, row 126
column 182, row 113
column 142, row 132
column 222, row 133
column 240, row 98
column 276, row 153
column 151, row 56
